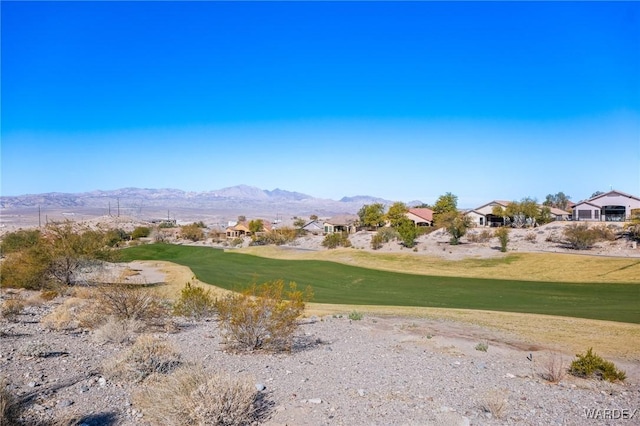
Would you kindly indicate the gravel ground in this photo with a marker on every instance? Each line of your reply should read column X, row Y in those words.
column 378, row 370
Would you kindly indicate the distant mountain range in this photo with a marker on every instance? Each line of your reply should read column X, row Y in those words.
column 242, row 199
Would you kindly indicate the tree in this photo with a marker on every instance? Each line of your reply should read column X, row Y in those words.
column 499, row 211
column 192, row 232
column 70, row 250
column 444, row 206
column 456, row 224
column 372, row 215
column 299, row 222
column 256, row 226
column 503, row 236
column 595, row 194
column 559, row 201
column 408, row 231
column 313, row 217
column 523, row 213
column 56, row 255
column 242, row 218
column 397, row 213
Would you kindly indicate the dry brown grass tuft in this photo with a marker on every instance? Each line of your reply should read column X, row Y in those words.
column 495, row 402
column 191, row 396
column 73, row 313
column 131, row 301
column 11, row 308
column 554, row 368
column 9, row 407
column 148, row 355
column 116, row 330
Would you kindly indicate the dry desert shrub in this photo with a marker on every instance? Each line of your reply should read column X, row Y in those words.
column 9, row 406
column 132, row 302
column 146, row 356
column 480, row 237
column 554, row 368
column 191, row 396
column 263, row 316
column 73, row 313
column 494, row 402
column 116, row 330
column 194, row 302
column 11, row 308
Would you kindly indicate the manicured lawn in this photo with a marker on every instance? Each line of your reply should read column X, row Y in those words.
column 344, row 284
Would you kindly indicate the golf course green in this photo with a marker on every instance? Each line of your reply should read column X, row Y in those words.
column 344, row 284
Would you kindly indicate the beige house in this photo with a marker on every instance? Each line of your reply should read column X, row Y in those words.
column 420, row 216
column 241, row 229
column 342, row 223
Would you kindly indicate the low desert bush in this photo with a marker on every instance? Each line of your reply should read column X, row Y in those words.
column 263, row 316
column 116, row 330
column 355, row 315
column 502, row 234
column 192, row 232
column 494, row 402
column 554, row 368
column 482, row 347
column 35, row 349
column 146, row 356
column 605, row 232
column 9, row 406
column 11, row 308
column 580, row 237
column 236, row 242
column 131, row 301
column 140, row 232
column 74, row 313
column 49, row 295
column 480, row 237
column 530, row 237
column 191, row 396
column 383, row 236
column 592, row 365
column 336, row 240
column 194, row 302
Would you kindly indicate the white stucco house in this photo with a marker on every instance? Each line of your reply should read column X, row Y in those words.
column 613, row 206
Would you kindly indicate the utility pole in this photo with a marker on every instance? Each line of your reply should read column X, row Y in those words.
column 118, row 207
column 39, row 217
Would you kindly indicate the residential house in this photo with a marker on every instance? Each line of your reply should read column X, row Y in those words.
column 342, row 223
column 314, row 227
column 241, row 229
column 420, row 216
column 483, row 215
column 613, row 206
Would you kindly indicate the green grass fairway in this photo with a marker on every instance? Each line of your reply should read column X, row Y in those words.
column 344, row 284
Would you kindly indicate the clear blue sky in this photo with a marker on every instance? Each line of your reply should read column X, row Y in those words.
column 401, row 100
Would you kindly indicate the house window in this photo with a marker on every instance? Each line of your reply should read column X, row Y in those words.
column 596, row 214
column 482, row 221
column 584, row 214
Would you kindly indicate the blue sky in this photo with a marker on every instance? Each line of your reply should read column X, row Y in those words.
column 401, row 100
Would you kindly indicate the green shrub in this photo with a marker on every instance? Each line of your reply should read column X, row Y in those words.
column 19, row 240
column 141, row 232
column 263, row 316
column 592, row 365
column 335, row 240
column 356, row 316
column 503, row 236
column 582, row 237
column 482, row 347
column 194, row 302
column 192, row 232
column 114, row 237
